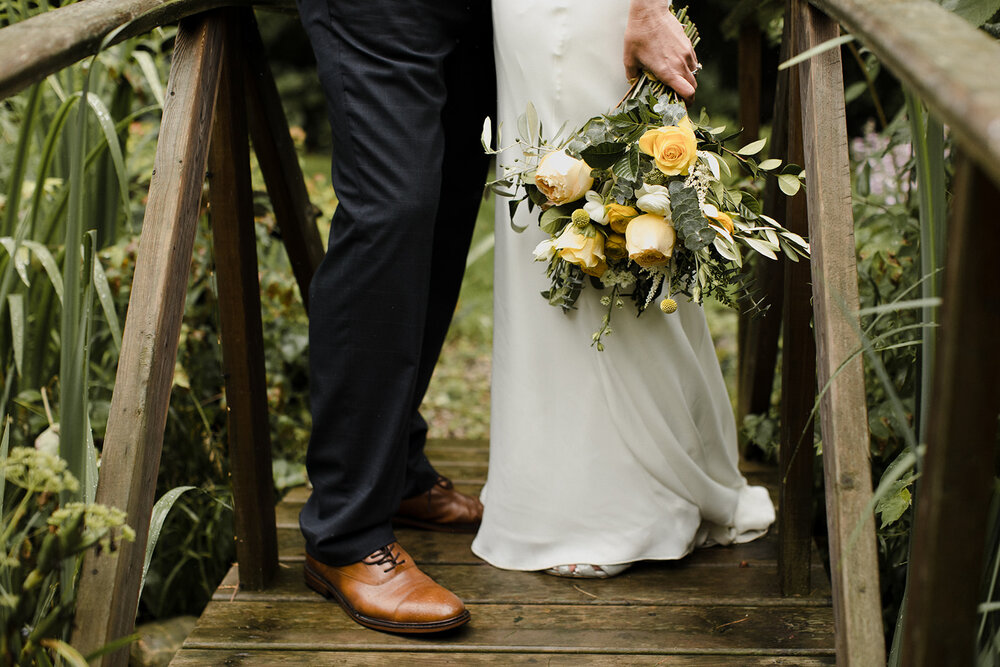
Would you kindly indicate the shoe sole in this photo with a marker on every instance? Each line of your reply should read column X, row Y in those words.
column 316, row 582
column 466, row 528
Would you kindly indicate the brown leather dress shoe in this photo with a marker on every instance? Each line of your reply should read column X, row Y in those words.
column 387, row 591
column 442, row 508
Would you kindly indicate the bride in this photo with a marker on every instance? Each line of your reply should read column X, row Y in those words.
column 599, row 459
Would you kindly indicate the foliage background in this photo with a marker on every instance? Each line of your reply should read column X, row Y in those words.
column 197, row 543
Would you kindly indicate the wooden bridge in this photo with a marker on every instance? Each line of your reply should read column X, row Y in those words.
column 691, row 613
column 719, row 606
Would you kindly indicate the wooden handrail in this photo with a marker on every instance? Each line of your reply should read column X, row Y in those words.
column 951, row 65
column 44, row 44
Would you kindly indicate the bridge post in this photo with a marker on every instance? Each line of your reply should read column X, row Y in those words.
column 798, row 371
column 234, row 245
column 950, row 525
column 844, row 415
column 109, row 587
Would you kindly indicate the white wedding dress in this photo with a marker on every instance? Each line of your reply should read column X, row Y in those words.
column 596, row 457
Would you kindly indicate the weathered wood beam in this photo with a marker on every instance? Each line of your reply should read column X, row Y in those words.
column 272, row 143
column 234, row 245
column 758, row 334
column 957, row 476
column 847, row 469
column 109, row 587
column 951, row 65
column 798, row 378
column 32, row 49
column 749, row 64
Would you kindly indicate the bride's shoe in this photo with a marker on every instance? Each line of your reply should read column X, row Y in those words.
column 587, row 571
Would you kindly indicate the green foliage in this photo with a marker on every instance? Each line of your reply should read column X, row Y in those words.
column 41, row 538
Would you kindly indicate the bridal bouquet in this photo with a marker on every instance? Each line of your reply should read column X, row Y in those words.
column 642, row 201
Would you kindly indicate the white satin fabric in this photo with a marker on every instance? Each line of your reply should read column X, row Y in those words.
column 596, row 457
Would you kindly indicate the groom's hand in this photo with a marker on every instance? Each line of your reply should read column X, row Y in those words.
column 655, row 41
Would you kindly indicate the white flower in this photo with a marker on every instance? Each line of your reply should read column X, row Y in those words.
column 653, row 199
column 623, row 279
column 544, row 251
column 595, row 208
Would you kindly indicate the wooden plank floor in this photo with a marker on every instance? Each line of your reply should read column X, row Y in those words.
column 718, row 606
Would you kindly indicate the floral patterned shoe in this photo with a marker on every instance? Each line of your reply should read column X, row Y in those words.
column 587, row 571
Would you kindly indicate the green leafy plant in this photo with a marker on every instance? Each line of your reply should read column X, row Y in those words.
column 43, row 537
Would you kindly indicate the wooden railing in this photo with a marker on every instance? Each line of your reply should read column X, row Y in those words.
column 220, row 88
column 952, row 67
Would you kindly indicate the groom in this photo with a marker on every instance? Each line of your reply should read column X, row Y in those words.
column 407, row 83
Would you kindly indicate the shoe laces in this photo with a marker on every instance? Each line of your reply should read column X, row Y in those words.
column 385, row 556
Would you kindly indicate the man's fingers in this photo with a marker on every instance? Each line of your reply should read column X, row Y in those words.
column 631, row 66
column 684, row 89
column 692, row 61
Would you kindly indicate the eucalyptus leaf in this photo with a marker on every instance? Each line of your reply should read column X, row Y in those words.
column 670, row 113
column 691, row 226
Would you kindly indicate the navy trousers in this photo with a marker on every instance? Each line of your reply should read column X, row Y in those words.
column 408, row 84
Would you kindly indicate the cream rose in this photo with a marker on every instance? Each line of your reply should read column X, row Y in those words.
column 562, row 178
column 576, row 247
column 673, row 147
column 650, row 240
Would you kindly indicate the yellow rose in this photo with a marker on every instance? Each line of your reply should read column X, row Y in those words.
column 597, row 270
column 614, row 247
column 618, row 216
column 650, row 240
column 724, row 220
column 576, row 247
column 673, row 147
column 562, row 178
